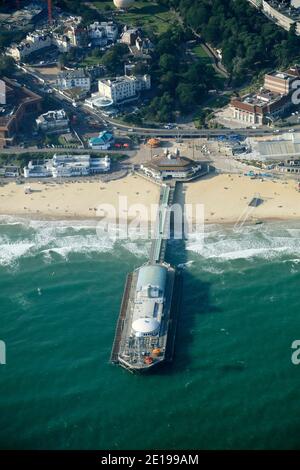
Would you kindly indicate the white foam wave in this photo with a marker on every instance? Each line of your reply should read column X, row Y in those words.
column 10, row 252
column 60, row 238
column 269, row 241
column 185, row 265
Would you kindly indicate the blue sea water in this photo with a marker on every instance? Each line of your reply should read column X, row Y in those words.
column 232, row 384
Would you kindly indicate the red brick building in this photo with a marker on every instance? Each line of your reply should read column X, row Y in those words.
column 20, row 103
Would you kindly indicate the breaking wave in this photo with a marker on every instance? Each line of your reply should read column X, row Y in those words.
column 267, row 241
column 24, row 238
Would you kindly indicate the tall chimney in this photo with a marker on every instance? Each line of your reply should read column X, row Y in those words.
column 50, row 11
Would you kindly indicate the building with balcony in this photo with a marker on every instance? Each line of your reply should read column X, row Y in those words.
column 53, row 122
column 125, row 88
column 37, row 41
column 66, row 166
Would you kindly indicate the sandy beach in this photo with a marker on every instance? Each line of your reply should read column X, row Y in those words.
column 225, row 198
column 50, row 200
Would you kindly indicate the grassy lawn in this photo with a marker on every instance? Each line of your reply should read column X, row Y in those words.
column 105, row 5
column 147, row 15
column 89, row 61
column 203, row 57
column 200, row 52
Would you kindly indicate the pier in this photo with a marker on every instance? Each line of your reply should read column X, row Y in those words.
column 121, row 320
column 162, row 225
column 131, row 353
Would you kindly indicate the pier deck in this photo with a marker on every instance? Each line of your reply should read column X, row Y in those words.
column 126, row 351
column 121, row 320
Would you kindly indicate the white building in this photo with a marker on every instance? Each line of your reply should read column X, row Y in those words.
column 32, row 43
column 78, row 165
column 73, row 79
column 169, row 166
column 64, row 166
column 36, row 41
column 53, row 122
column 101, row 33
column 149, row 301
column 37, row 170
column 123, row 88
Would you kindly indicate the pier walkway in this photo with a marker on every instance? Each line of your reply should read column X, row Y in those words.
column 162, row 224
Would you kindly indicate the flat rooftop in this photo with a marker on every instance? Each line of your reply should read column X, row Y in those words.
column 261, row 98
column 281, row 75
column 294, row 14
column 282, row 149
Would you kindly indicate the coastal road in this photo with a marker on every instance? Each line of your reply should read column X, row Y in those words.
column 184, row 132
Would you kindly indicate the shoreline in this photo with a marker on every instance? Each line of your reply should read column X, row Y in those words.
column 72, row 218
column 223, row 198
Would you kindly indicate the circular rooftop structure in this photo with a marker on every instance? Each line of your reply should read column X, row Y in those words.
column 172, row 166
column 145, row 326
column 171, row 161
column 102, row 102
column 153, row 142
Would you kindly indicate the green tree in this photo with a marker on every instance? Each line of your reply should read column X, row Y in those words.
column 187, row 96
column 168, row 63
column 7, row 66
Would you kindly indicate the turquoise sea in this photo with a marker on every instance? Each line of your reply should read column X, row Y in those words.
column 232, row 384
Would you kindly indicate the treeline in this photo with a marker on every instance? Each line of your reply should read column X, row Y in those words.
column 7, row 66
column 180, row 83
column 250, row 42
column 80, row 8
